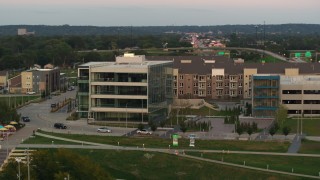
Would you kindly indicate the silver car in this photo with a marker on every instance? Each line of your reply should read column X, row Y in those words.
column 104, row 130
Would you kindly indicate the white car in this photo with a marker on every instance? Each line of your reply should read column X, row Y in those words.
column 104, row 130
column 30, row 93
column 144, row 131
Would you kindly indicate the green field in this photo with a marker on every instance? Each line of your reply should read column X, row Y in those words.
column 309, row 147
column 310, row 126
column 44, row 140
column 147, row 165
column 156, row 142
column 300, row 165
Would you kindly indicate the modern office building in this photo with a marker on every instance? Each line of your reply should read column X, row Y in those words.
column 129, row 89
column 265, row 98
column 301, row 95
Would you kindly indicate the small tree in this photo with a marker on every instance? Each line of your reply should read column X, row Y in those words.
column 286, row 130
column 183, row 127
column 153, row 127
column 162, row 123
column 239, row 129
column 272, row 131
column 281, row 115
column 140, row 126
column 249, row 131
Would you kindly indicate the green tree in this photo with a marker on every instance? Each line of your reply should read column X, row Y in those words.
column 272, row 131
column 183, row 126
column 8, row 114
column 140, row 126
column 281, row 115
column 286, row 130
column 250, row 131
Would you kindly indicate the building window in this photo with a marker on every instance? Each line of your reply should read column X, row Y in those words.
column 174, row 77
column 181, row 92
column 195, row 77
column 220, row 78
column 240, row 84
column 209, row 92
column 195, row 92
column 240, row 92
column 209, row 85
column 181, row 77
column 181, row 84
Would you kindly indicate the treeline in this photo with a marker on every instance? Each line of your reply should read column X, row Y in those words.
column 18, row 52
column 66, row 30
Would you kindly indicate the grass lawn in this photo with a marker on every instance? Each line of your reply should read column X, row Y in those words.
column 309, row 147
column 44, row 140
column 300, row 165
column 146, row 165
column 155, row 142
column 310, row 126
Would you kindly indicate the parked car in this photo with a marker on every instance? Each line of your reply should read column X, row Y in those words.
column 53, row 105
column 60, row 126
column 25, row 119
column 31, row 93
column 104, row 130
column 144, row 131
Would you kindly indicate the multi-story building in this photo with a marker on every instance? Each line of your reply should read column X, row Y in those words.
column 301, row 95
column 40, row 80
column 3, row 79
column 219, row 77
column 129, row 89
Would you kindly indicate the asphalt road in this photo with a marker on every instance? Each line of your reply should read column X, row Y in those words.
column 42, row 118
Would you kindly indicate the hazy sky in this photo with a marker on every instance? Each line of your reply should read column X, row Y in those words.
column 158, row 12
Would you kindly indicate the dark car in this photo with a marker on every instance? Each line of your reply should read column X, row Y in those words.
column 60, row 126
column 25, row 119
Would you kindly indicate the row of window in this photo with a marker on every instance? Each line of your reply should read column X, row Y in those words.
column 300, row 91
column 219, row 85
column 299, row 101
column 208, row 77
column 219, row 92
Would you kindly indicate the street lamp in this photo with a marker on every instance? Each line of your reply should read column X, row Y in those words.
column 126, row 116
column 28, row 163
column 18, row 161
column 297, row 123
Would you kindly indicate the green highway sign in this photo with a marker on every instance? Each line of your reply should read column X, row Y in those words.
column 308, row 54
column 297, row 55
column 221, row 53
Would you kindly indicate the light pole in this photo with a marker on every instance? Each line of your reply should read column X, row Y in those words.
column 178, row 115
column 301, row 124
column 18, row 161
column 142, row 110
column 126, row 116
column 28, row 163
column 297, row 123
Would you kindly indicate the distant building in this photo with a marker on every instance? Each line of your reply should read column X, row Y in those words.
column 131, row 88
column 24, row 32
column 3, row 79
column 14, row 85
column 40, row 80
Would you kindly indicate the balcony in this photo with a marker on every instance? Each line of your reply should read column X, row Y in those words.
column 266, row 97
column 103, row 80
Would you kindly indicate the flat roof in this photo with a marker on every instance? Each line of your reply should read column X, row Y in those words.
column 144, row 64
